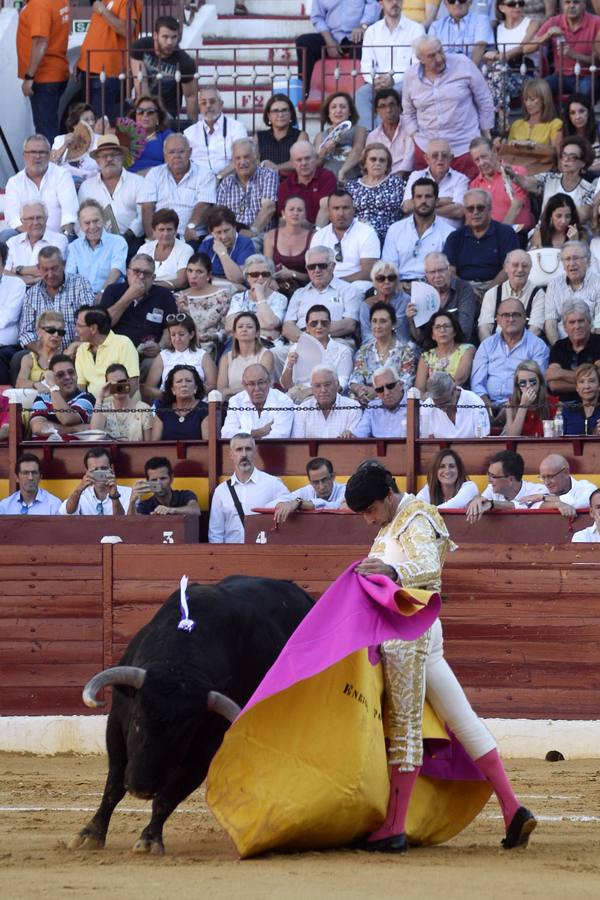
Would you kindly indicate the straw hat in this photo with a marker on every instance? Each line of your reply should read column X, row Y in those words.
column 108, row 141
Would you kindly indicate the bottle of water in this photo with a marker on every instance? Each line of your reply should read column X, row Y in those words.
column 559, row 424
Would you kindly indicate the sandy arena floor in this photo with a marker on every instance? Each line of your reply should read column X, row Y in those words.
column 45, row 801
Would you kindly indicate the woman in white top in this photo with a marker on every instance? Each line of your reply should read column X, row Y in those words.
column 448, row 485
column 184, row 351
column 85, row 166
column 170, row 255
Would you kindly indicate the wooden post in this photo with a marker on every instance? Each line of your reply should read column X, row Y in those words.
column 412, row 435
column 214, row 436
column 15, row 436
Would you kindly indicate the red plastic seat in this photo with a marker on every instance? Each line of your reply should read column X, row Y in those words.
column 324, row 81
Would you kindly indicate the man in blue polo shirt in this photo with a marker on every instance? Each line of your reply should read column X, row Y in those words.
column 477, row 250
column 30, row 499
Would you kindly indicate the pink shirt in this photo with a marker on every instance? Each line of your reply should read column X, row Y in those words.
column 501, row 200
column 582, row 38
column 401, row 146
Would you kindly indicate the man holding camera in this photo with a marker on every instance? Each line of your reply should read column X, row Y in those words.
column 98, row 493
column 164, row 501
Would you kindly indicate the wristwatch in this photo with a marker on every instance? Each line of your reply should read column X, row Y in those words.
column 19, row 269
column 28, row 77
column 114, row 496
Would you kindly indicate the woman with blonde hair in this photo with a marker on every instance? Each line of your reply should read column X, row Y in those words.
column 50, row 327
column 529, row 403
column 539, row 127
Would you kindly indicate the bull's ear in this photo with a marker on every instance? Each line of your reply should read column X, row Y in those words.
column 223, row 705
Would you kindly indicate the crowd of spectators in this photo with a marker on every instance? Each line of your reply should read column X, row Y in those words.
column 284, row 271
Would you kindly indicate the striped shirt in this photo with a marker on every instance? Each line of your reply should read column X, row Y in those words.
column 74, row 292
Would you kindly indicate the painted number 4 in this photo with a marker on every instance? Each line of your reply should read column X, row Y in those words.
column 261, row 538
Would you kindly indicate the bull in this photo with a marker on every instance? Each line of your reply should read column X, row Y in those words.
column 175, row 693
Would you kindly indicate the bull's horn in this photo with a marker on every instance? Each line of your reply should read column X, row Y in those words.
column 128, row 675
column 223, row 705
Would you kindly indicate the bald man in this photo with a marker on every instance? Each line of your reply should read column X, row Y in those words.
column 560, row 490
column 309, row 181
column 517, row 267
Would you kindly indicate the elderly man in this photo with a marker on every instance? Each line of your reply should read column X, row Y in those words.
column 99, row 348
column 24, row 248
column 139, row 308
column 578, row 282
column 236, row 498
column 326, row 414
column 408, row 241
column 456, row 296
column 463, row 29
column 510, row 203
column 160, row 54
column 180, row 185
column 43, row 181
column 517, row 267
column 384, row 417
column 56, row 290
column 498, row 356
column 450, row 411
column 477, row 250
column 341, row 299
column 580, row 346
column 294, row 376
column 355, row 244
column 30, row 499
column 386, row 55
column 560, row 490
column 116, row 190
column 212, row 137
column 392, row 131
column 12, row 297
column 102, row 256
column 446, row 98
column 260, row 410
column 452, row 185
column 65, row 408
column 321, row 492
column 506, row 488
column 251, row 191
column 309, row 181
column 590, row 535
column 98, row 493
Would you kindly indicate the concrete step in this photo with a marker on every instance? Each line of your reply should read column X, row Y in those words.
column 252, row 52
column 233, row 27
column 267, row 8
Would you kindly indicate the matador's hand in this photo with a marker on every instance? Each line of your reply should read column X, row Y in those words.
column 373, row 566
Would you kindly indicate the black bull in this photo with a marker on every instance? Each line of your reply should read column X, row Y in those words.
column 174, row 693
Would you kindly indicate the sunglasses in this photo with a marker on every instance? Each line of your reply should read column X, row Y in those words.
column 258, row 274
column 143, row 273
column 52, row 330
column 386, row 387
column 571, row 156
column 477, row 207
column 527, row 382
column 337, row 249
column 175, row 317
column 320, row 266
column 316, row 323
column 517, row 4
column 386, row 278
column 460, row 2
column 146, row 111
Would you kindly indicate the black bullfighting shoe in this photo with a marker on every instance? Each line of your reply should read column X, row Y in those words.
column 522, row 824
column 396, row 843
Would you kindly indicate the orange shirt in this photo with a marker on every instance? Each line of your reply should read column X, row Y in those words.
column 101, row 41
column 48, row 19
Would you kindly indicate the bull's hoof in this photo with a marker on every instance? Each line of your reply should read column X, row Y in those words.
column 86, row 840
column 146, row 845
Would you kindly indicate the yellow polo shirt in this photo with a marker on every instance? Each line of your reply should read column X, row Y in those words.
column 116, row 348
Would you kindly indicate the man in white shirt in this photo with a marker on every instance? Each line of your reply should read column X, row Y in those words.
column 341, row 299
column 260, row 410
column 590, row 535
column 506, row 488
column 321, row 492
column 517, row 266
column 295, row 376
column 408, row 241
column 23, row 248
column 40, row 180
column 450, row 411
column 452, row 185
column 559, row 490
column 326, row 414
column 98, row 493
column 212, row 136
column 12, row 297
column 235, row 499
column 116, row 190
column 386, row 55
column 355, row 244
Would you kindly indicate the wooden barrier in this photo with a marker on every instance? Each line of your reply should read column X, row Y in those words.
column 522, row 623
column 32, row 530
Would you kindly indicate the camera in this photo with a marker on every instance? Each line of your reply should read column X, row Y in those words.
column 101, row 474
column 119, row 387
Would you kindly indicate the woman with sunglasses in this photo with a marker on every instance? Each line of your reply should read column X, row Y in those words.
column 281, row 132
column 530, row 403
column 151, row 117
column 184, row 351
column 260, row 298
column 377, row 194
column 51, row 332
column 182, row 414
column 342, row 154
column 247, row 350
column 584, row 417
column 386, row 285
column 448, row 485
column 122, row 418
column 287, row 244
column 170, row 254
column 445, row 350
column 383, row 349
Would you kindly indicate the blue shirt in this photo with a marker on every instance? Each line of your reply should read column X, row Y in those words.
column 381, row 422
column 239, row 253
column 44, row 504
column 96, row 262
column 495, row 364
column 480, row 259
column 341, row 16
column 459, row 36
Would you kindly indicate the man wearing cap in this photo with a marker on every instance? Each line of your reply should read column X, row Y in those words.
column 116, row 190
column 410, row 549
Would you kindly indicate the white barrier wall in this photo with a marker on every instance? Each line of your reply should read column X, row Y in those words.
column 15, row 110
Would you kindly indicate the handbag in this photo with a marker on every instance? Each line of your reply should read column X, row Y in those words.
column 545, row 265
column 534, row 159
